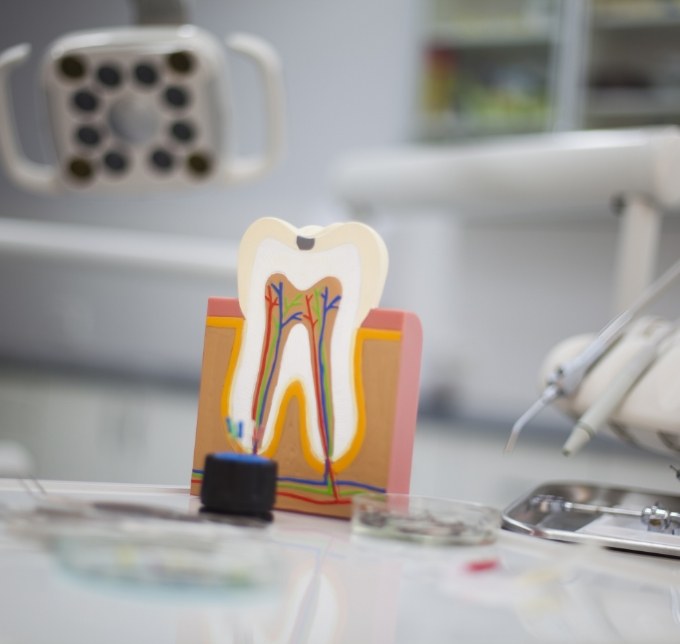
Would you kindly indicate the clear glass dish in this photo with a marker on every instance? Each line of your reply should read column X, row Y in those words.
column 426, row 520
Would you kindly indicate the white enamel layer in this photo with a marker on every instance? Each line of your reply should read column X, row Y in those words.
column 352, row 253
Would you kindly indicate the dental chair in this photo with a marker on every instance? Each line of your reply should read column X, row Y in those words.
column 632, row 173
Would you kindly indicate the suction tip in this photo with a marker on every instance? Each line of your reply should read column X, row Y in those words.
column 578, row 438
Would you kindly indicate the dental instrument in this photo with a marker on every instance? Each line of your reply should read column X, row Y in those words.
column 567, row 377
column 590, row 423
column 656, row 517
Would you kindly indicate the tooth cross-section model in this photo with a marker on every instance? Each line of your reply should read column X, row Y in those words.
column 305, row 369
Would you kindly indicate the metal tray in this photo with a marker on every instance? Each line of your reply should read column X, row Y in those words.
column 608, row 530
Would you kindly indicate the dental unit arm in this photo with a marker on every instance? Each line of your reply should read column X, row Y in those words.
column 567, row 377
column 620, row 386
column 140, row 108
column 630, row 393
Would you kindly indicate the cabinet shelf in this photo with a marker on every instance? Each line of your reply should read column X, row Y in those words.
column 612, row 23
column 513, row 66
column 650, row 16
column 491, row 37
column 615, row 103
column 449, row 125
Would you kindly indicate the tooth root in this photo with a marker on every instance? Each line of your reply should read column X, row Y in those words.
column 302, row 307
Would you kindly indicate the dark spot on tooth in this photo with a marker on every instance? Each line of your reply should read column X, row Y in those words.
column 305, row 243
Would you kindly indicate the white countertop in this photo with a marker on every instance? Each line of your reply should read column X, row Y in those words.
column 333, row 587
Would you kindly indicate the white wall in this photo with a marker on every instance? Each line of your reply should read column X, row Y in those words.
column 497, row 297
column 349, row 73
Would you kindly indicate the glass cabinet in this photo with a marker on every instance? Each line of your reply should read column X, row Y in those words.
column 488, row 67
column 633, row 75
column 494, row 67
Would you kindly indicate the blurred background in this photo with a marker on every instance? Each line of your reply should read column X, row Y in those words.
column 100, row 364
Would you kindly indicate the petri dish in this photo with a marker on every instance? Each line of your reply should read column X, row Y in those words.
column 425, row 520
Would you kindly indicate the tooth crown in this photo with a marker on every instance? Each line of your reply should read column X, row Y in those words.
column 308, row 372
column 367, row 244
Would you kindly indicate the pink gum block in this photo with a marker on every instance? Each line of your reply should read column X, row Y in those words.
column 408, row 386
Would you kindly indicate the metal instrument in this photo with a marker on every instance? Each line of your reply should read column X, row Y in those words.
column 655, row 517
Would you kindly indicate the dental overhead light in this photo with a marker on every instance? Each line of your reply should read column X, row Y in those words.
column 140, row 108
